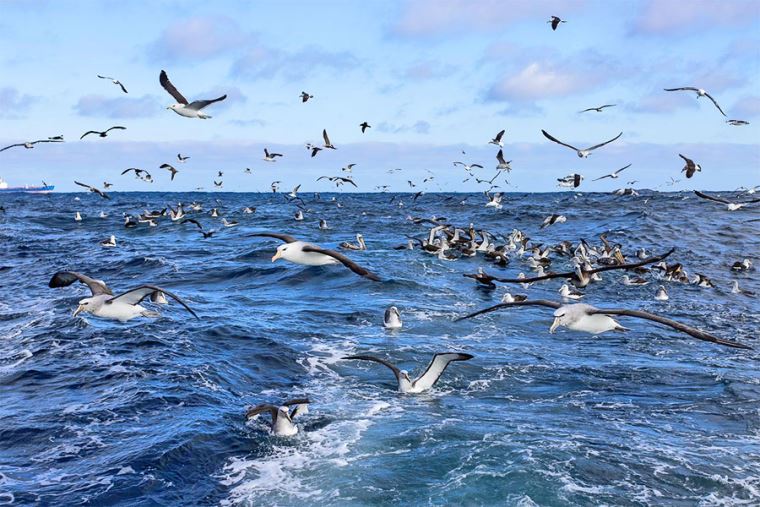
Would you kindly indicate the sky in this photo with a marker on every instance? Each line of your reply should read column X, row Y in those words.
column 434, row 78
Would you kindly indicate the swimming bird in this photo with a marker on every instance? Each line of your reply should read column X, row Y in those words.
column 29, row 145
column 503, row 164
column 690, row 168
column 555, row 21
column 364, row 125
column 94, row 190
column 104, row 133
column 77, row 217
column 570, row 181
column 282, row 419
column 323, row 224
column 613, row 175
column 271, row 157
column 731, row 206
column 553, row 219
column 228, row 223
column 589, row 319
column 110, row 242
column 308, row 254
column 206, row 234
column 735, row 289
column 744, row 265
column 597, row 109
column 327, row 144
column 392, row 318
column 636, row 280
column 359, row 245
column 169, row 168
column 305, row 96
column 218, row 184
column 494, row 201
column 103, row 303
column 298, row 215
column 584, row 153
column 182, row 107
column 114, row 81
column 700, row 93
column 566, row 292
column 181, row 158
column 428, row 378
column 497, row 139
column 662, row 294
column 737, row 123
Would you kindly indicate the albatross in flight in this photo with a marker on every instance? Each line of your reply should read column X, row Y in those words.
column 103, row 303
column 103, row 133
column 613, row 175
column 581, row 153
column 731, row 206
column 428, row 378
column 114, row 81
column 700, row 93
column 94, row 190
column 29, row 145
column 308, row 254
column 183, row 107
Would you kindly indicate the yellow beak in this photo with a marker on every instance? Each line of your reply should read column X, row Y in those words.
column 276, row 256
column 555, row 325
column 79, row 310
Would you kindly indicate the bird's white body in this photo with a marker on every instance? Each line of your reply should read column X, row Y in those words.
column 78, row 217
column 110, row 242
column 575, row 317
column 121, row 311
column 662, row 294
column 183, row 110
column 392, row 319
column 283, row 426
column 565, row 292
column 294, row 253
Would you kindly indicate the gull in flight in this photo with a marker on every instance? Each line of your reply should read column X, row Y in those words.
column 555, row 21
column 305, row 96
column 690, row 168
column 271, row 157
column 183, row 107
column 94, row 190
column 581, row 153
column 597, row 109
column 30, row 145
column 731, row 206
column 497, row 139
column 104, row 133
column 700, row 93
column 467, row 167
column 503, row 164
column 114, row 81
column 614, row 175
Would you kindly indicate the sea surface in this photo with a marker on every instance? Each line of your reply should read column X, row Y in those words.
column 151, row 412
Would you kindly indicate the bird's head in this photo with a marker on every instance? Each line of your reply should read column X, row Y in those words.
column 560, row 319
column 175, row 106
column 280, row 253
column 85, row 305
column 405, row 375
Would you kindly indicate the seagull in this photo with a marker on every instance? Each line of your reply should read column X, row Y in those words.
column 497, row 139
column 181, row 158
column 275, row 186
column 271, row 157
column 107, row 185
column 690, row 168
column 614, row 175
column 218, row 184
column 182, row 107
column 597, row 109
column 78, row 217
column 365, row 126
column 282, row 418
column 298, row 216
column 468, row 168
column 737, row 123
column 555, row 21
column 169, row 168
column 572, row 180
column 314, row 149
column 103, row 303
column 103, row 133
column 339, row 180
column 139, row 173
column 553, row 219
column 110, row 242
column 308, row 254
column 735, row 289
column 114, row 81
column 428, row 378
column 305, row 96
column 327, row 144
column 700, row 93
column 731, row 206
column 503, row 164
column 581, row 153
column 744, row 265
column 392, row 318
column 323, row 225
column 29, row 145
column 294, row 192
column 94, row 190
column 348, row 168
column 206, row 234
column 589, row 319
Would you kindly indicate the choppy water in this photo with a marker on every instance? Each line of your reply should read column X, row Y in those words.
column 151, row 412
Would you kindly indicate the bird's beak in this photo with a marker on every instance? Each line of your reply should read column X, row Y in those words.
column 79, row 310
column 555, row 325
column 168, row 107
column 276, row 256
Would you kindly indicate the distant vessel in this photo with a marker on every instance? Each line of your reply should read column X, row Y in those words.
column 44, row 189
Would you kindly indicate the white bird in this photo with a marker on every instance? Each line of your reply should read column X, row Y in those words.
column 298, row 215
column 731, row 206
column 662, row 294
column 392, row 318
column 114, row 81
column 503, row 164
column 735, row 289
column 613, row 175
column 271, row 157
column 494, row 201
column 183, row 107
column 103, row 303
column 497, row 139
column 700, row 93
column 428, row 378
column 584, row 153
column 359, row 245
column 282, row 419
column 227, row 223
column 77, row 217
column 468, row 167
column 110, row 242
column 566, row 292
column 553, row 219
column 294, row 192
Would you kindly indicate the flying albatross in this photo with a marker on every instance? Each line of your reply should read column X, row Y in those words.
column 581, row 153
column 29, row 145
column 589, row 319
column 103, row 303
column 731, row 206
column 428, row 378
column 114, row 81
column 103, row 133
column 183, row 108
column 700, row 93
column 613, row 175
column 282, row 417
column 308, row 254
column 94, row 190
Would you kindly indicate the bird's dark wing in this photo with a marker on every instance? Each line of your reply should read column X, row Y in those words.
column 392, row 367
column 12, row 146
column 705, row 196
column 136, row 295
column 602, row 177
column 696, row 333
column 714, row 102
column 527, row 302
column 83, row 185
column 349, row 180
column 122, row 87
column 554, row 139
column 88, row 133
column 105, row 77
column 169, row 87
column 117, row 127
column 258, row 409
column 343, row 260
column 282, row 237
column 679, row 89
column 200, row 104
column 606, row 142
column 623, row 169
column 499, row 135
column 193, row 221
column 324, row 136
column 66, row 278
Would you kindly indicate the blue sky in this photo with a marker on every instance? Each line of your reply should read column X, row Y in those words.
column 433, row 78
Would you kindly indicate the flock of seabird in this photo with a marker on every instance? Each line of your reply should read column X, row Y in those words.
column 444, row 240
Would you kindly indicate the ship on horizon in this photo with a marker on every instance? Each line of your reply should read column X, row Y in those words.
column 43, row 189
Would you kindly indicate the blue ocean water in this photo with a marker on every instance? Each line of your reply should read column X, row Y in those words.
column 151, row 412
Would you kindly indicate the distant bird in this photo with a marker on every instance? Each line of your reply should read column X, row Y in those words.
column 103, row 133
column 661, row 294
column 219, row 174
column 60, row 138
column 206, row 234
column 553, row 219
column 597, row 109
column 566, row 292
column 305, row 96
column 555, row 21
column 690, row 168
column 328, row 144
column 737, row 123
column 169, row 168
column 107, row 185
column 275, row 186
column 29, row 145
column 467, row 167
column 183, row 108
column 138, row 173
column 348, row 168
column 700, row 93
column 218, row 184
column 613, row 175
column 247, row 170
column 282, row 418
column 114, row 81
column 740, row 266
column 428, row 378
column 181, row 158
column 271, row 157
column 314, row 149
column 339, row 180
column 229, row 223
column 503, row 164
column 359, row 245
column 392, row 318
column 110, row 242
column 731, row 206
column 365, row 126
column 581, row 153
column 78, row 217
column 497, row 139
column 571, row 181
column 323, row 224
column 94, row 190
column 294, row 192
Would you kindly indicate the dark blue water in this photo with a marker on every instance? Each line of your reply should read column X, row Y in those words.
column 151, row 412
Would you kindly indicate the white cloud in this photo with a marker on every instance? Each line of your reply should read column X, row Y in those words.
column 538, row 81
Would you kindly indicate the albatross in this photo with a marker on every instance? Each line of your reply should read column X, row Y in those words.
column 282, row 417
column 103, row 303
column 30, row 144
column 613, row 175
column 114, row 81
column 428, row 378
column 700, row 93
column 183, row 107
column 731, row 206
column 584, row 153
column 94, row 190
column 103, row 133
column 308, row 254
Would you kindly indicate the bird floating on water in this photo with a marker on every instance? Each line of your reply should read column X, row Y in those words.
column 282, row 419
